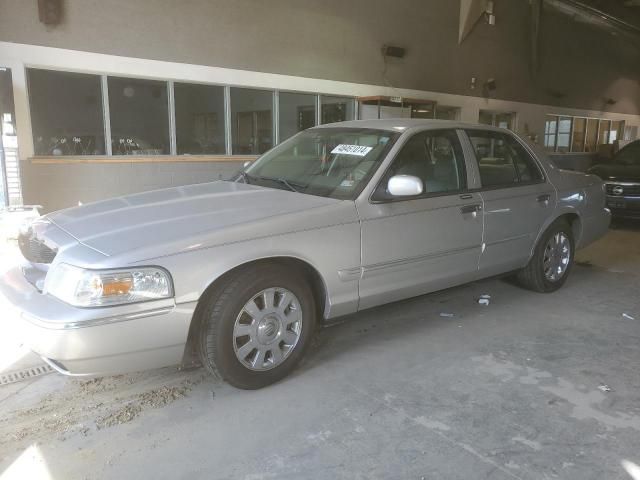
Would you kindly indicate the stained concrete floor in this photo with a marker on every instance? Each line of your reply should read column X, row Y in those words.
column 505, row 391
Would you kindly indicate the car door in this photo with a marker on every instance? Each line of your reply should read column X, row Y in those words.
column 517, row 199
column 414, row 245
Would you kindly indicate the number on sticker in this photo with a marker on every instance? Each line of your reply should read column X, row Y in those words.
column 358, row 150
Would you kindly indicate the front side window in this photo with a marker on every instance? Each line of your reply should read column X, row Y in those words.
column 328, row 162
column 502, row 160
column 435, row 158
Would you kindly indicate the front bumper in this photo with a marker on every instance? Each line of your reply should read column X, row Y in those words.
column 95, row 341
column 624, row 207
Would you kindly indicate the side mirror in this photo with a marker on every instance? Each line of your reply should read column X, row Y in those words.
column 405, row 186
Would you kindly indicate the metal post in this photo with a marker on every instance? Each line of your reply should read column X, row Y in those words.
column 276, row 117
column 171, row 103
column 318, row 109
column 106, row 117
column 227, row 120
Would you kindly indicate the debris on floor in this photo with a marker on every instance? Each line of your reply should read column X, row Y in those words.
column 447, row 314
column 484, row 299
column 627, row 316
column 604, row 388
column 584, row 263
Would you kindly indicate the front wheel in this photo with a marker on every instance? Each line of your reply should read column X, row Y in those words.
column 552, row 259
column 257, row 326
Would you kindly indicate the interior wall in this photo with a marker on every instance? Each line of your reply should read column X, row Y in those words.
column 581, row 67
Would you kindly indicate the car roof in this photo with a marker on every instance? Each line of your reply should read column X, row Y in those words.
column 402, row 124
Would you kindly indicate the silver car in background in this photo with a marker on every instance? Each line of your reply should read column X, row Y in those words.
column 337, row 219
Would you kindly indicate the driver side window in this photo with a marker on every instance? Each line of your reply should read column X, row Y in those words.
column 436, row 158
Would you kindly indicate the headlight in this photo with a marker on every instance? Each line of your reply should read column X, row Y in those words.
column 99, row 288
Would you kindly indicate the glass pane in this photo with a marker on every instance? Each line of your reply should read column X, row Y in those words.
column 485, row 118
column 297, row 113
column 447, row 113
column 423, row 110
column 564, row 134
column 605, row 127
column 495, row 158
column 337, row 109
column 66, row 113
column 504, row 120
column 139, row 116
column 435, row 158
column 329, row 162
column 579, row 125
column 199, row 119
column 251, row 120
column 592, row 135
column 617, row 130
column 550, row 128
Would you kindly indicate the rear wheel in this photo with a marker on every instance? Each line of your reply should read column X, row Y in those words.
column 552, row 259
column 257, row 326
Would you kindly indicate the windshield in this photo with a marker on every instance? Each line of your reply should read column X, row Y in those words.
column 329, row 162
column 629, row 155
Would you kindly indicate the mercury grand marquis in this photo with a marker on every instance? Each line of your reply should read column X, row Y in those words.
column 339, row 218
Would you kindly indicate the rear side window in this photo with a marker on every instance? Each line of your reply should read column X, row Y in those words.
column 502, row 160
column 436, row 158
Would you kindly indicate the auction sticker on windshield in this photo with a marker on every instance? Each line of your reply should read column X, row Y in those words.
column 358, row 150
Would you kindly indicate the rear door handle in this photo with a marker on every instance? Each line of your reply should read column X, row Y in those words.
column 544, row 198
column 476, row 207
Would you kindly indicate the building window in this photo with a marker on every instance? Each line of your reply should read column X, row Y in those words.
column 200, row 119
column 577, row 134
column 66, row 113
column 337, row 109
column 550, row 128
column 591, row 144
column 564, row 134
column 497, row 119
column 578, row 137
column 297, row 112
column 251, row 121
column 447, row 113
column 139, row 116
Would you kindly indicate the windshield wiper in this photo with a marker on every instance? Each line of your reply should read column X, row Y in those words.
column 285, row 182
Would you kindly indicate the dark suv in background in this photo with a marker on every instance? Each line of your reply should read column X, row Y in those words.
column 622, row 180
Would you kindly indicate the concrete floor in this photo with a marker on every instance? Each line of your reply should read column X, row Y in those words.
column 505, row 391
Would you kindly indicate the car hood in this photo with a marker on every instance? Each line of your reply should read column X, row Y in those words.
column 621, row 173
column 165, row 221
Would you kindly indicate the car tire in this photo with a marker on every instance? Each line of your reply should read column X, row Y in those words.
column 279, row 334
column 550, row 263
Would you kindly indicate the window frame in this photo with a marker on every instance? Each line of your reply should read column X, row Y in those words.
column 172, row 155
column 375, row 198
column 525, row 147
column 587, row 132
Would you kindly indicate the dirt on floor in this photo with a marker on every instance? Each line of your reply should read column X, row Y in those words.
column 84, row 406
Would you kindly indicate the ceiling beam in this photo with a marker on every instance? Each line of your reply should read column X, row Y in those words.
column 470, row 12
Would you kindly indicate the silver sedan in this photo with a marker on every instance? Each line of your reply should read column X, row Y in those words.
column 237, row 275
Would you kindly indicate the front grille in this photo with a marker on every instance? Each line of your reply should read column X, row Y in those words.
column 35, row 250
column 632, row 190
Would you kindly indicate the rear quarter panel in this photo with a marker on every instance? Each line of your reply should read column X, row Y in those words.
column 578, row 194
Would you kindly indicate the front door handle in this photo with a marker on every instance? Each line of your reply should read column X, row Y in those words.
column 476, row 207
column 544, row 198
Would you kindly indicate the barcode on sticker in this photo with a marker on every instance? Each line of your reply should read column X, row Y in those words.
column 358, row 150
